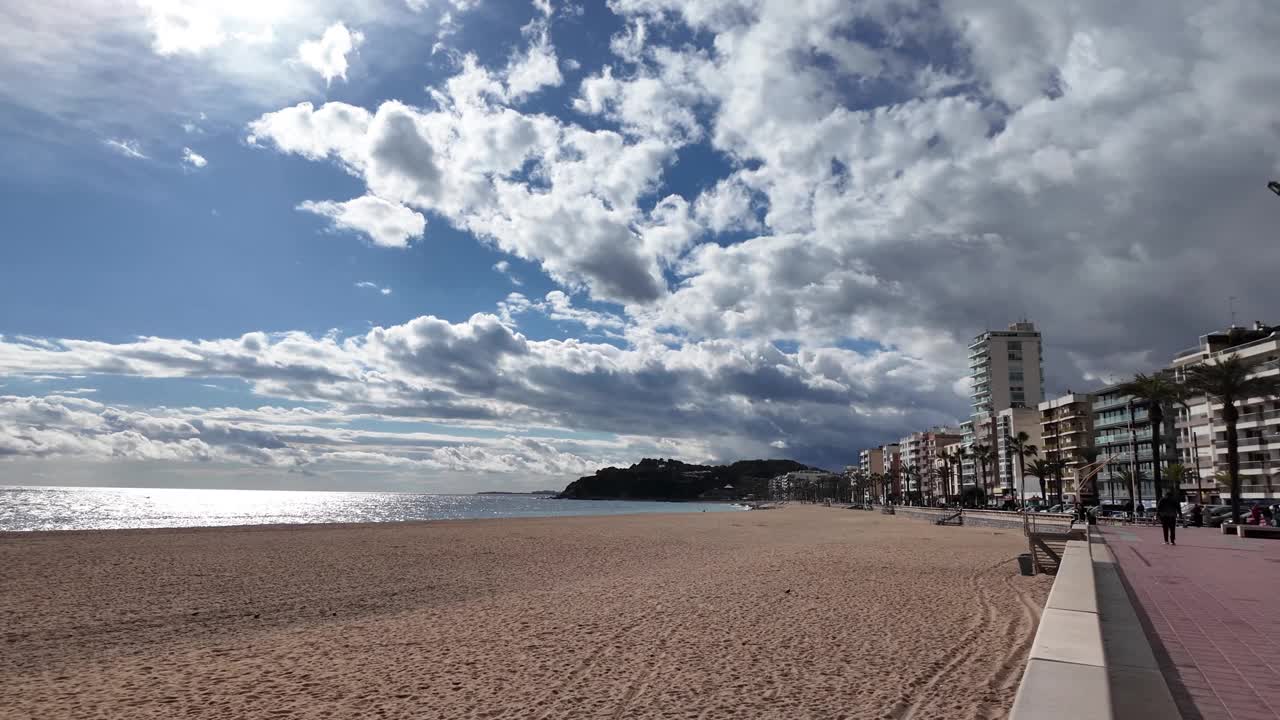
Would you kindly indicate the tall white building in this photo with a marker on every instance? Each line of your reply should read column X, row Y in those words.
column 1006, row 370
column 1202, row 435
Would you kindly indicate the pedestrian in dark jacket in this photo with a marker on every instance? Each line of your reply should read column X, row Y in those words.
column 1168, row 509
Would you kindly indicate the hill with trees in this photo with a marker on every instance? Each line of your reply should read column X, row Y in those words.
column 662, row 479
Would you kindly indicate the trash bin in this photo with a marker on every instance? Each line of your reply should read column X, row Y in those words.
column 1024, row 564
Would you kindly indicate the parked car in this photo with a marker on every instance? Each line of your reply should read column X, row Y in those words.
column 1222, row 513
column 1215, row 515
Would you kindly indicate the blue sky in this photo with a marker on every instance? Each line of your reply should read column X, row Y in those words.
column 468, row 244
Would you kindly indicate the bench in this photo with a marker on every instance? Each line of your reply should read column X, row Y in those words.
column 1258, row 531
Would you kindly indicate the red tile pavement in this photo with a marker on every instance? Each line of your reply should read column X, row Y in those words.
column 1212, row 610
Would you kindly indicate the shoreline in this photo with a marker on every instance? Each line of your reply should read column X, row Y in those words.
column 801, row 612
column 18, row 534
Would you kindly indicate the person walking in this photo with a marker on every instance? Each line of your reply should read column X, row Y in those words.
column 1168, row 509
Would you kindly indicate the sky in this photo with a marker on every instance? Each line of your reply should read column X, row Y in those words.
column 458, row 245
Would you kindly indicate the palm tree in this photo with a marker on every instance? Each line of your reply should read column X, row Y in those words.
column 1183, row 397
column 877, row 482
column 1155, row 392
column 1176, row 473
column 982, row 453
column 1056, row 466
column 1041, row 470
column 1227, row 381
column 1022, row 449
column 912, row 478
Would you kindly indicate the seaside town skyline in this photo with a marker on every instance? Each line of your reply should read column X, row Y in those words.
column 469, row 245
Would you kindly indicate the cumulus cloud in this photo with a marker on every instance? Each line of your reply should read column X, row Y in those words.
column 537, row 67
column 63, row 427
column 752, row 175
column 713, row 398
column 387, row 224
column 466, row 161
column 192, row 158
column 328, row 54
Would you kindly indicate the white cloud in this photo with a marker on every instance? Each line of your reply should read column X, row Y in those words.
column 374, row 286
column 387, row 224
column 715, row 397
column 192, row 158
column 128, row 148
column 328, row 55
column 504, row 268
column 536, row 68
column 464, row 161
column 900, row 194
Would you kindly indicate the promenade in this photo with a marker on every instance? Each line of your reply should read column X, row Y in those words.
column 1211, row 607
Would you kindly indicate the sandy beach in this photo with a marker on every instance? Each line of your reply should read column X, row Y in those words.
column 803, row 612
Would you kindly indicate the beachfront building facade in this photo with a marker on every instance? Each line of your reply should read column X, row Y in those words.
column 1006, row 370
column 911, row 454
column 800, row 484
column 1201, row 433
column 1066, row 434
column 947, row 469
column 1122, row 431
column 1010, row 422
column 939, row 442
column 871, row 462
column 892, row 457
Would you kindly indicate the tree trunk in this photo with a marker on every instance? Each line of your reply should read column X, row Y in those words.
column 1022, row 478
column 1155, row 414
column 1230, row 417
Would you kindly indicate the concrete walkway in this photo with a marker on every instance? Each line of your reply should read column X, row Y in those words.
column 1211, row 608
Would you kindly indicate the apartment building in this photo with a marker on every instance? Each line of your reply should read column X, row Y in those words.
column 945, row 472
column 1010, row 422
column 1122, row 431
column 892, row 458
column 1066, row 434
column 871, row 462
column 1006, row 370
column 938, row 441
column 911, row 453
column 1201, row 433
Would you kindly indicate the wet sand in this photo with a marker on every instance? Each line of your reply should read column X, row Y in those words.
column 803, row 612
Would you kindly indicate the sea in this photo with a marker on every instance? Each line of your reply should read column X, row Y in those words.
column 82, row 508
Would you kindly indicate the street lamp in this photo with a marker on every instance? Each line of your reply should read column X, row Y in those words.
column 1274, row 187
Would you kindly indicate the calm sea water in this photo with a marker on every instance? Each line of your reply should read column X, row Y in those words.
column 62, row 508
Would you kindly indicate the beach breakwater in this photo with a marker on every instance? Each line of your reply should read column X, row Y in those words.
column 982, row 518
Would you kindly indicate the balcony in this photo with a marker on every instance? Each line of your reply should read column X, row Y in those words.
column 1122, row 419
column 1251, row 417
column 1110, row 403
column 1268, row 439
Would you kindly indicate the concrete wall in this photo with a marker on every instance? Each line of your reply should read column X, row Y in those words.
column 987, row 518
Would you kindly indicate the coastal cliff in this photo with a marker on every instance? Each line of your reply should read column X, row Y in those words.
column 659, row 479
